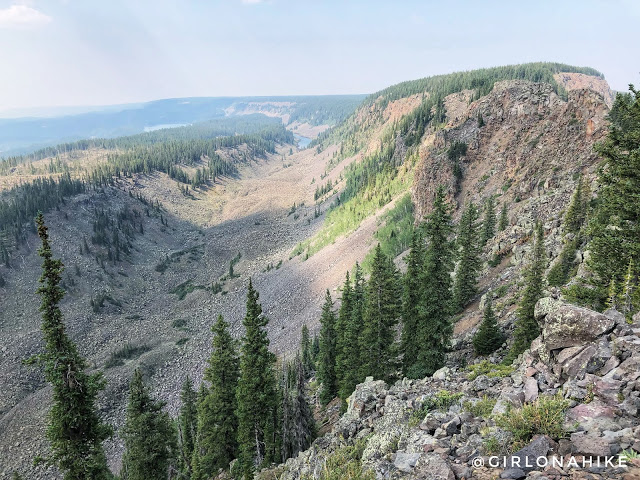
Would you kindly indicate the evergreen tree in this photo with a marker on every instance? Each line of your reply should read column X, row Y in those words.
column 148, row 434
column 526, row 328
column 560, row 273
column 411, row 298
column 298, row 425
column 464, row 287
column 504, row 219
column 489, row 337
column 216, row 442
column 577, row 211
column 342, row 323
column 305, row 348
column 74, row 428
column 352, row 355
column 489, row 222
column 256, row 392
column 315, row 349
column 187, row 427
column 615, row 225
column 381, row 314
column 435, row 329
column 327, row 357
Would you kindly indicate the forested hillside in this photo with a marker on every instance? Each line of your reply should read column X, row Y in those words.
column 235, row 290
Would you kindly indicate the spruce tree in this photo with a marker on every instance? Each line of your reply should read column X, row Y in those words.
column 350, row 366
column 187, row 427
column 342, row 322
column 504, row 219
column 435, row 328
column 615, row 225
column 298, row 424
column 327, row 356
column 411, row 298
column 526, row 328
column 305, row 348
column 468, row 243
column 489, row 221
column 381, row 315
column 216, row 443
column 489, row 337
column 148, row 434
column 256, row 392
column 577, row 211
column 74, row 428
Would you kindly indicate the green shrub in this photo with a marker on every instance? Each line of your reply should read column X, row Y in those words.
column 127, row 352
column 545, row 416
column 440, row 401
column 489, row 369
column 185, row 288
column 346, row 464
column 179, row 323
column 481, row 408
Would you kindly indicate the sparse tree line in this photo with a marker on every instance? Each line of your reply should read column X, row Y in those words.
column 394, row 325
column 251, row 410
column 163, row 152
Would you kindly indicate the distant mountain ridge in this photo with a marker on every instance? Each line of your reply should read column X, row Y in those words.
column 23, row 135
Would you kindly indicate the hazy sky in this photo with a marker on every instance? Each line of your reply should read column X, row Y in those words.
column 90, row 52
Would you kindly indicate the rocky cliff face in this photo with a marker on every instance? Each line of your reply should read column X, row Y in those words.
column 529, row 142
column 451, row 427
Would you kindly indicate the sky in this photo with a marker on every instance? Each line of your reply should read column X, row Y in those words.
column 90, row 52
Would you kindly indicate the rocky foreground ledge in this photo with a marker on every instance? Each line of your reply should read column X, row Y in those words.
column 578, row 382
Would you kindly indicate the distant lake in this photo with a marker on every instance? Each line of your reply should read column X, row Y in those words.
column 164, row 125
column 303, row 142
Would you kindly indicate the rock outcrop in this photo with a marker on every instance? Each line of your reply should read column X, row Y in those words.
column 587, row 358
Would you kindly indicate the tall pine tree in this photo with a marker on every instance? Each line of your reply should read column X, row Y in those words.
column 489, row 221
column 74, row 428
column 149, row 436
column 306, row 349
column 411, row 299
column 342, row 322
column 577, row 210
column 615, row 225
column 504, row 219
column 526, row 328
column 381, row 315
column 489, row 337
column 350, row 365
column 327, row 357
column 435, row 328
column 216, row 442
column 256, row 393
column 187, row 427
column 468, row 243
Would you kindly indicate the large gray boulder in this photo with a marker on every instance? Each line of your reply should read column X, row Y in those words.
column 526, row 458
column 570, row 326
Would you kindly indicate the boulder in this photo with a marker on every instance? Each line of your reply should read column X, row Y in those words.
column 590, row 445
column 530, row 389
column 405, row 462
column 433, row 467
column 364, row 397
column 593, row 416
column 514, row 473
column 608, row 390
column 442, row 374
column 526, row 457
column 576, row 366
column 569, row 326
column 545, row 306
